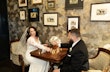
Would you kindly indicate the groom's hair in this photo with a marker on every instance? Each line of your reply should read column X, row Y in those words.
column 75, row 31
column 28, row 32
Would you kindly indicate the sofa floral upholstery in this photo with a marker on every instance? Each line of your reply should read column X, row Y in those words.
column 14, row 56
column 101, row 61
column 16, row 51
column 17, row 55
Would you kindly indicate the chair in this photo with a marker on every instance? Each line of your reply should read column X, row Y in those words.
column 17, row 55
column 101, row 61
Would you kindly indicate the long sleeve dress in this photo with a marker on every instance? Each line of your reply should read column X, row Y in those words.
column 36, row 64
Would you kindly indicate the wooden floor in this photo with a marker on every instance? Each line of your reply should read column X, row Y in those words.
column 8, row 66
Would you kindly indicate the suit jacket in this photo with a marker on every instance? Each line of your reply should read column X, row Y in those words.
column 76, row 60
column 67, row 45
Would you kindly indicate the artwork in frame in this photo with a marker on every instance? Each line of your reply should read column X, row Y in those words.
column 22, row 3
column 100, row 12
column 73, row 4
column 50, row 5
column 33, row 14
column 22, row 14
column 50, row 19
column 50, row 0
column 36, row 1
column 73, row 22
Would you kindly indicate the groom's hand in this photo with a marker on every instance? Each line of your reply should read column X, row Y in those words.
column 56, row 70
column 54, row 43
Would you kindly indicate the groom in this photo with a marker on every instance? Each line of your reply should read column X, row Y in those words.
column 77, row 57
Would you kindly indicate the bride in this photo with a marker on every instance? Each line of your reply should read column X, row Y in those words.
column 33, row 43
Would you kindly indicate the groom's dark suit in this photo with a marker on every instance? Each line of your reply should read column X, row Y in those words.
column 76, row 60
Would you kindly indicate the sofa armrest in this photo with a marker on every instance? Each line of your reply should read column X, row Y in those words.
column 99, row 50
column 18, row 54
column 101, row 60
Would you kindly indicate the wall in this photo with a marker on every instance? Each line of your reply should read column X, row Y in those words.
column 95, row 34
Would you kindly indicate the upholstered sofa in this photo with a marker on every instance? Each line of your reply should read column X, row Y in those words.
column 17, row 55
column 101, row 62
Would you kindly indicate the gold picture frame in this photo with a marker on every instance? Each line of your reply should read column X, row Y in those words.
column 22, row 3
column 50, row 0
column 36, row 1
column 22, row 15
column 50, row 5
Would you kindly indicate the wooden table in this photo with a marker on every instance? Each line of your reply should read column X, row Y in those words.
column 55, row 58
column 52, row 58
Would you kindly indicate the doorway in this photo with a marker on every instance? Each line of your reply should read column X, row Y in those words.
column 4, row 32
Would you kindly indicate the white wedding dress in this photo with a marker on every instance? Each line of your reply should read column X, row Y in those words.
column 36, row 64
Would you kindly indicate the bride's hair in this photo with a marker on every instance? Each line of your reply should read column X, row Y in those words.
column 28, row 32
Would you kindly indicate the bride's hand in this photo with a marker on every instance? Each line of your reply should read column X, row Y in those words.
column 45, row 44
column 48, row 49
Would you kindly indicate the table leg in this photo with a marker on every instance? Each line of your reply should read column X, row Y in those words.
column 51, row 67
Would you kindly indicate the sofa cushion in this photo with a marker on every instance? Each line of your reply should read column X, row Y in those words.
column 101, row 61
column 94, row 71
column 17, row 50
column 14, row 47
column 15, row 59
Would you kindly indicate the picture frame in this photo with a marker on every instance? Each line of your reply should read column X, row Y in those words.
column 50, row 19
column 73, row 4
column 73, row 22
column 33, row 14
column 22, row 3
column 100, row 12
column 22, row 14
column 36, row 1
column 50, row 5
column 50, row 0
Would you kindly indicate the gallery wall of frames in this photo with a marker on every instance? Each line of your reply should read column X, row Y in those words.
column 50, row 18
column 56, row 17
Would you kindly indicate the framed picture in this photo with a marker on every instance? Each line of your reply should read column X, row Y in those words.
column 100, row 12
column 22, row 3
column 50, row 19
column 73, row 4
column 50, row 0
column 22, row 15
column 50, row 4
column 37, row 1
column 33, row 14
column 73, row 22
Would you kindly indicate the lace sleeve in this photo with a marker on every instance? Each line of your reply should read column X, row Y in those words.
column 32, row 42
